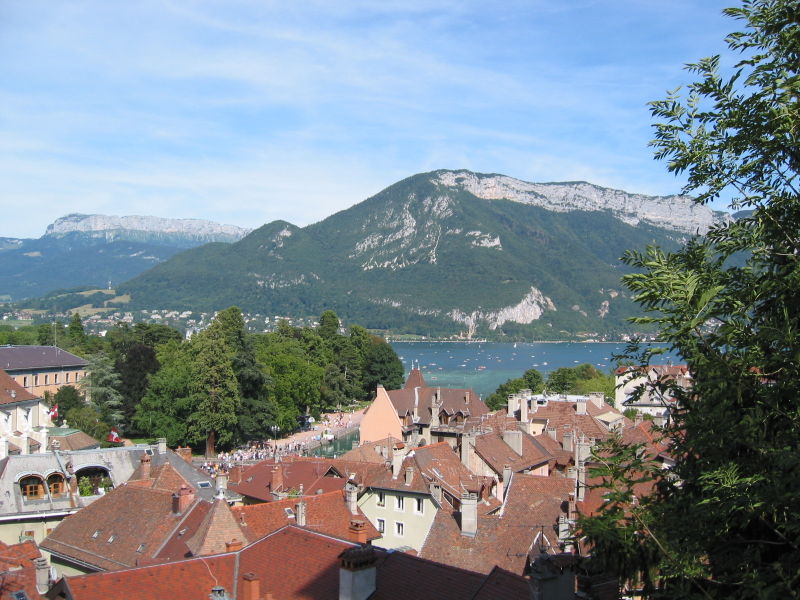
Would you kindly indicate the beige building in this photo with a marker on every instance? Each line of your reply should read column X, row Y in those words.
column 41, row 369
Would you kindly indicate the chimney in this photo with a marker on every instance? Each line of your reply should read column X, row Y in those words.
column 597, row 398
column 277, row 479
column 469, row 514
column 506, row 475
column 638, row 418
column 218, row 593
column 398, row 455
column 572, row 513
column 409, row 475
column 358, row 531
column 568, row 438
column 512, row 404
column 145, row 464
column 234, row 545
column 300, row 513
column 513, row 437
column 523, row 408
column 580, row 405
column 467, row 449
column 583, row 450
column 581, row 483
column 466, row 398
column 251, row 587
column 357, row 573
column 351, row 497
column 182, row 499
column 162, row 445
column 42, row 575
column 222, row 481
column 551, row 432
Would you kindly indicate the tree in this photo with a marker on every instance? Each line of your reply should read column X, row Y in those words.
column 725, row 522
column 382, row 366
column 215, row 391
column 67, row 397
column 328, row 324
column 134, row 368
column 100, row 388
column 75, row 333
column 531, row 380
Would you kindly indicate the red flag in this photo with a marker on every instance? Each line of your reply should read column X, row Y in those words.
column 114, row 435
column 53, row 412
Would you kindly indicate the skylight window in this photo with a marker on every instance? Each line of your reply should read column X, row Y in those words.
column 140, row 548
column 289, row 513
column 204, row 484
column 96, row 533
column 111, row 538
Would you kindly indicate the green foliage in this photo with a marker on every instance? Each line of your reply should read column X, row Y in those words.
column 382, row 366
column 85, row 486
column 328, row 324
column 100, row 388
column 67, row 397
column 89, row 420
column 27, row 335
column 215, row 391
column 725, row 522
column 530, row 380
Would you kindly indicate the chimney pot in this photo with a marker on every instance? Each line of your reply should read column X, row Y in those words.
column 358, row 531
column 146, row 462
column 233, row 545
column 357, row 573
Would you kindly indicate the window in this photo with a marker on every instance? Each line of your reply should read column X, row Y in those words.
column 95, row 534
column 399, row 529
column 381, row 499
column 400, row 503
column 55, row 483
column 66, row 376
column 35, row 380
column 420, row 505
column 46, row 379
column 381, row 526
column 24, row 382
column 55, row 378
column 32, row 488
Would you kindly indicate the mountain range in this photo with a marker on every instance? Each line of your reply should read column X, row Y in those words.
column 93, row 250
column 440, row 253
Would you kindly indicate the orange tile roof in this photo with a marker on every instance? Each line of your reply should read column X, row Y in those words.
column 260, row 481
column 326, row 513
column 12, row 392
column 18, row 571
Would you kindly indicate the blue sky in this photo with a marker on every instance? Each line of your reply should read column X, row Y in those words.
column 248, row 111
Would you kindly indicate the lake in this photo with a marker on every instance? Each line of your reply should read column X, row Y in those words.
column 483, row 366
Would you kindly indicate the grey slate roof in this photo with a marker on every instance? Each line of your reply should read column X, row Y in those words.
column 37, row 357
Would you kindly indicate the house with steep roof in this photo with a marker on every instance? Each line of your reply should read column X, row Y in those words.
column 292, row 564
column 413, row 412
column 532, row 519
column 41, row 369
column 23, row 572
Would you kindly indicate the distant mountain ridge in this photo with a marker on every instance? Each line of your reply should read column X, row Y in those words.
column 91, row 250
column 143, row 228
column 440, row 253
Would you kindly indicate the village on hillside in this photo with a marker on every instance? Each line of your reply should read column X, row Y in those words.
column 441, row 498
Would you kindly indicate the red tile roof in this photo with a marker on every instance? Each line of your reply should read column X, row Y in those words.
column 326, row 513
column 416, row 393
column 12, row 392
column 295, row 564
column 18, row 570
column 263, row 479
column 532, row 507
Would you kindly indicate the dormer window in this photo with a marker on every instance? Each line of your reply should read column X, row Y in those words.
column 32, row 487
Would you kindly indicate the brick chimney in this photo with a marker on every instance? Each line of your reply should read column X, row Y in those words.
column 145, row 464
column 358, row 531
column 357, row 573
column 184, row 453
column 469, row 514
column 513, row 437
column 351, row 497
column 277, row 479
column 250, row 587
column 182, row 500
column 234, row 545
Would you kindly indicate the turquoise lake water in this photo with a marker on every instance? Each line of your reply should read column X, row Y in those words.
column 483, row 366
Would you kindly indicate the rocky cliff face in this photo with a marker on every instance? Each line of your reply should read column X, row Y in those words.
column 677, row 213
column 145, row 228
